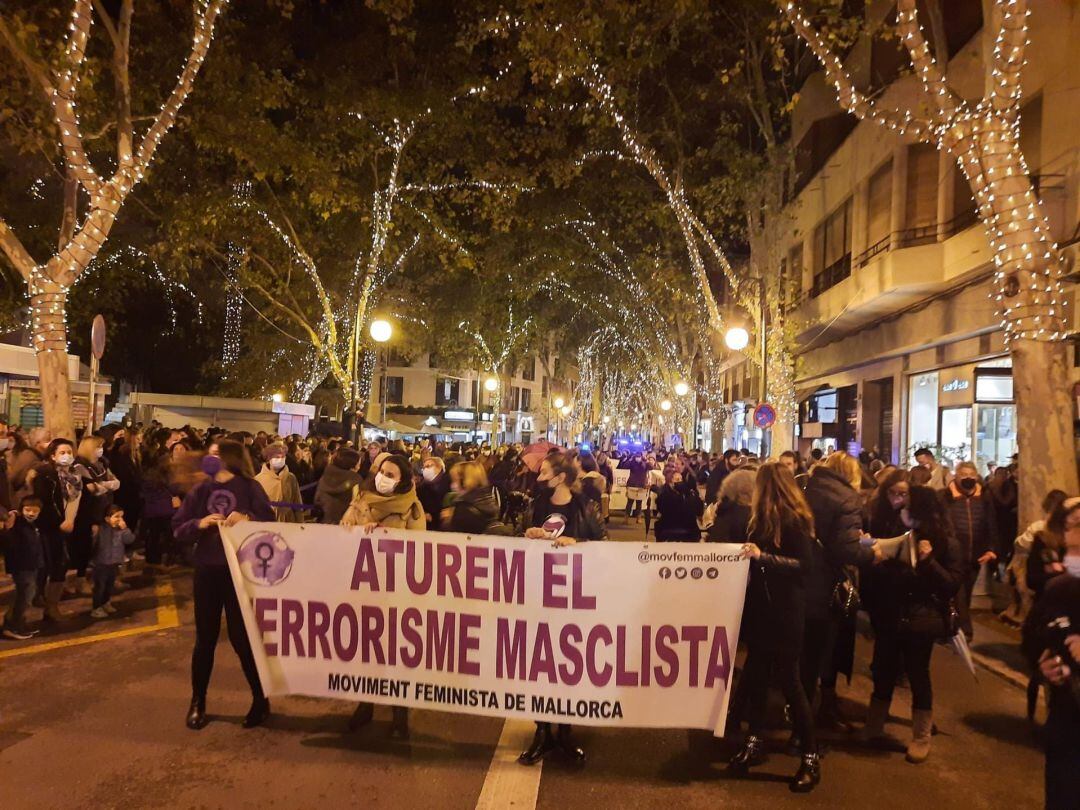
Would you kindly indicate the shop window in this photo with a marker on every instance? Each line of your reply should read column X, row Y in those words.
column 993, row 387
column 923, row 411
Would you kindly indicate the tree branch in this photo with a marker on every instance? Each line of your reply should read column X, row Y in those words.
column 38, row 72
column 849, row 98
column 15, row 251
column 922, row 60
column 1008, row 57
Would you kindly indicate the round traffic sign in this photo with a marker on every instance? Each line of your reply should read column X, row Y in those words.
column 764, row 415
column 97, row 337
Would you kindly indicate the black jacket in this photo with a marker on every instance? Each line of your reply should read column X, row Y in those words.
column 582, row 522
column 477, row 512
column 973, row 521
column 679, row 506
column 1042, row 554
column 731, row 522
column 837, row 510
column 22, row 547
column 1061, row 598
column 431, row 495
column 48, row 488
column 899, row 597
column 334, row 492
column 776, row 600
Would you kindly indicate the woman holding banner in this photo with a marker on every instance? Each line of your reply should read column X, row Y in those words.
column 228, row 496
column 564, row 515
column 780, row 549
column 387, row 498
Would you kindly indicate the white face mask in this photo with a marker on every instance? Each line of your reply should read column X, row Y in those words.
column 64, row 459
column 384, row 484
column 277, row 462
column 430, row 473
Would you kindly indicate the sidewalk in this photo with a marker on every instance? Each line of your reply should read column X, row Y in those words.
column 996, row 647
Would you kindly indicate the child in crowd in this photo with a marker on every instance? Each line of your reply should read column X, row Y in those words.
column 24, row 557
column 110, row 538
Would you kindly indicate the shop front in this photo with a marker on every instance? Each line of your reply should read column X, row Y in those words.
column 964, row 412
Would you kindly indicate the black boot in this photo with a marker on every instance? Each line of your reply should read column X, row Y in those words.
column 541, row 744
column 567, row 745
column 399, row 728
column 362, row 716
column 808, row 775
column 196, row 715
column 752, row 753
column 257, row 714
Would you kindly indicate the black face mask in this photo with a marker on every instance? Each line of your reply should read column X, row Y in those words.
column 966, row 484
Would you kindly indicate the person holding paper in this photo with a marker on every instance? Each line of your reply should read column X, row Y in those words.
column 911, row 605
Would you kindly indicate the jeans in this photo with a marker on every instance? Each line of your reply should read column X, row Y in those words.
column 214, row 594
column 894, row 652
column 25, row 588
column 104, row 580
column 785, row 668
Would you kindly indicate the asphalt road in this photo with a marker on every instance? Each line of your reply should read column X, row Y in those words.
column 98, row 723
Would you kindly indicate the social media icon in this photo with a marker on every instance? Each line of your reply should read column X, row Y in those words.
column 665, row 573
column 712, row 573
column 680, row 573
column 696, row 573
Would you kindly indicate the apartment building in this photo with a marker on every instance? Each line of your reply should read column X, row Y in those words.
column 899, row 345
column 454, row 404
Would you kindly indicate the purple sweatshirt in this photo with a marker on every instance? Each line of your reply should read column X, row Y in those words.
column 244, row 495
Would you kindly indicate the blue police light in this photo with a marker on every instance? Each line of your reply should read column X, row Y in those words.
column 586, row 446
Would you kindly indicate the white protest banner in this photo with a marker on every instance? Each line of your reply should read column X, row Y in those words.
column 623, row 634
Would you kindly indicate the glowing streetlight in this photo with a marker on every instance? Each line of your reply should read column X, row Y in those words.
column 565, row 410
column 737, row 338
column 606, row 419
column 559, row 402
column 381, row 331
column 681, row 389
column 665, row 405
column 278, row 397
column 491, row 384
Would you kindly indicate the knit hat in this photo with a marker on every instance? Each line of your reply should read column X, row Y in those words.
column 273, row 451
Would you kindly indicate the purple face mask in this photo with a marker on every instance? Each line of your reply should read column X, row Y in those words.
column 211, row 465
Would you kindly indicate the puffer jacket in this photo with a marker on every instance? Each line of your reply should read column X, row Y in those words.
column 838, row 512
column 973, row 521
column 334, row 492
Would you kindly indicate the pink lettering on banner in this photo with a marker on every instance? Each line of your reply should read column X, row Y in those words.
column 554, row 579
column 266, row 623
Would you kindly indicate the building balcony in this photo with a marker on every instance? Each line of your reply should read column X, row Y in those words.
column 890, row 275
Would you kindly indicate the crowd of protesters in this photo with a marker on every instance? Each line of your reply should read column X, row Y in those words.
column 826, row 539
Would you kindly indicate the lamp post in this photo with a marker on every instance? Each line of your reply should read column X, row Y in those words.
column 491, row 385
column 381, row 331
column 737, row 339
column 558, row 403
column 565, row 412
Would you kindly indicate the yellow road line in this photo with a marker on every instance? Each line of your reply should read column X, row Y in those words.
column 167, row 616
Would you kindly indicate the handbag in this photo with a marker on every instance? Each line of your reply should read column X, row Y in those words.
column 845, row 600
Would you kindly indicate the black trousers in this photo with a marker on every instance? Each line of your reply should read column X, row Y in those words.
column 819, row 642
column 214, row 594
column 894, row 653
column 1062, row 764
column 784, row 667
column 158, row 537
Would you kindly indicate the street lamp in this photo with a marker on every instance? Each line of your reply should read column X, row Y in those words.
column 278, row 397
column 381, row 331
column 565, row 410
column 665, row 405
column 491, row 384
column 737, row 338
column 681, row 389
column 558, row 403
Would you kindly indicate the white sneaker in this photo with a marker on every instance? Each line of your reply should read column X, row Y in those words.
column 15, row 635
column 109, row 608
column 98, row 613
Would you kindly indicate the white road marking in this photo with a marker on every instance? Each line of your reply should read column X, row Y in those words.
column 508, row 784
